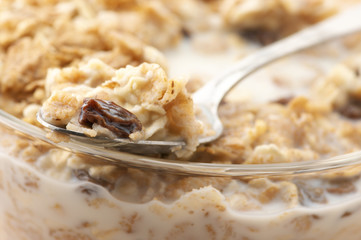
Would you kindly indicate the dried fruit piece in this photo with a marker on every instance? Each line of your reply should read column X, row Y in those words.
column 109, row 115
column 352, row 110
column 261, row 36
column 284, row 100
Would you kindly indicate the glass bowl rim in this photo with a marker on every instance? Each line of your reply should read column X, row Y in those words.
column 185, row 167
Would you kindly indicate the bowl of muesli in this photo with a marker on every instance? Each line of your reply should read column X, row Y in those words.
column 287, row 165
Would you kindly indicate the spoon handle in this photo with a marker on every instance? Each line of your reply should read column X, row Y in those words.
column 344, row 23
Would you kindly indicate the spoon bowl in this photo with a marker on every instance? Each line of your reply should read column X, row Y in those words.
column 142, row 147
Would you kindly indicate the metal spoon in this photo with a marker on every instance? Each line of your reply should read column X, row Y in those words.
column 209, row 96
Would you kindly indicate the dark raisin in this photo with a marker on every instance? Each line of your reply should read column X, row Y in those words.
column 315, row 217
column 260, row 36
column 186, row 33
column 109, row 115
column 352, row 110
column 346, row 214
column 284, row 100
column 357, row 72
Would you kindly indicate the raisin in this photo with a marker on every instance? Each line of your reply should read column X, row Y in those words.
column 260, row 36
column 109, row 115
column 284, row 100
column 346, row 214
column 352, row 110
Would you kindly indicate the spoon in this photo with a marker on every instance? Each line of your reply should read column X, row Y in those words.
column 207, row 98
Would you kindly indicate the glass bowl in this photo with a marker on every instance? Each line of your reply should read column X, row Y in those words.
column 66, row 191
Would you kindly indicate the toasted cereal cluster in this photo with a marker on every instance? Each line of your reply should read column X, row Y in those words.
column 162, row 105
column 267, row 21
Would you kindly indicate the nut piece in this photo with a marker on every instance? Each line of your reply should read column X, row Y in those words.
column 109, row 115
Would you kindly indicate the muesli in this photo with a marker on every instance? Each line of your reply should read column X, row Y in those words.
column 65, row 57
